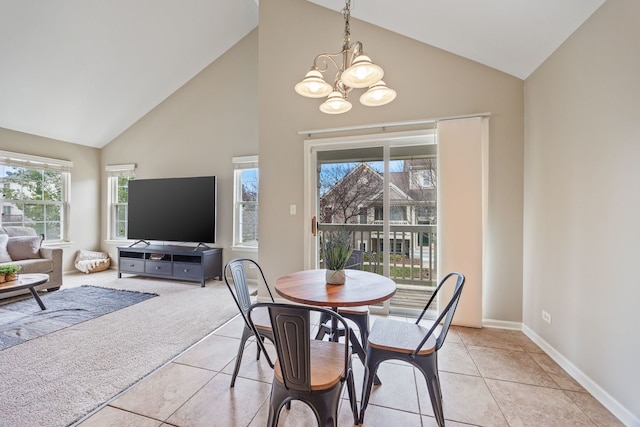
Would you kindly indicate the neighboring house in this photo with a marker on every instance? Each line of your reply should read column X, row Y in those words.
column 418, row 181
column 357, row 198
column 352, row 199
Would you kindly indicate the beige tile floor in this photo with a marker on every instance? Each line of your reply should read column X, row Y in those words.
column 490, row 377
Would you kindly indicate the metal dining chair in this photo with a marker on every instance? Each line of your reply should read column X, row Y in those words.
column 412, row 343
column 309, row 370
column 235, row 273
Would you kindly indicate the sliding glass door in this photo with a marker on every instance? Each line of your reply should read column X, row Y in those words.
column 382, row 191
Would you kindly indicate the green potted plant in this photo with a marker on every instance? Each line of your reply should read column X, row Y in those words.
column 336, row 250
column 10, row 271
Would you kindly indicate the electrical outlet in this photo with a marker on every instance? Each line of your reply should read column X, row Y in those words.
column 292, row 209
column 546, row 317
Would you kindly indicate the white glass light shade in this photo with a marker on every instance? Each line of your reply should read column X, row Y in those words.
column 361, row 73
column 378, row 94
column 313, row 85
column 335, row 104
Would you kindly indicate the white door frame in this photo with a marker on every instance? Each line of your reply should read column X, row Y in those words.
column 385, row 140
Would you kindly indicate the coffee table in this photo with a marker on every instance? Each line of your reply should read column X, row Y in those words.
column 27, row 281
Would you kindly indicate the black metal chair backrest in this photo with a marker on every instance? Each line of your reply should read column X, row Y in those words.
column 235, row 277
column 292, row 332
column 357, row 261
column 240, row 288
column 446, row 314
column 291, row 326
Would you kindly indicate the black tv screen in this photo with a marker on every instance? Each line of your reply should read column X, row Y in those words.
column 173, row 209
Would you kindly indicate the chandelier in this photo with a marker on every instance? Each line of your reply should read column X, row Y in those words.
column 356, row 71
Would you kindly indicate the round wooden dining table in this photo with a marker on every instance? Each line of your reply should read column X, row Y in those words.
column 360, row 288
column 310, row 287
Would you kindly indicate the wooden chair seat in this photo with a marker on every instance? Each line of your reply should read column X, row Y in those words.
column 327, row 365
column 261, row 319
column 401, row 337
column 415, row 344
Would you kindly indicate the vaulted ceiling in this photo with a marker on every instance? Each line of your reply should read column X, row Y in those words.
column 84, row 71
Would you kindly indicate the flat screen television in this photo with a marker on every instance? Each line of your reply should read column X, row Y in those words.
column 173, row 209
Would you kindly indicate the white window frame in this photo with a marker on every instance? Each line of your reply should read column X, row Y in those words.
column 241, row 164
column 113, row 173
column 420, row 179
column 8, row 158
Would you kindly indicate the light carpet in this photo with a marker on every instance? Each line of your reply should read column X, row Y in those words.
column 55, row 379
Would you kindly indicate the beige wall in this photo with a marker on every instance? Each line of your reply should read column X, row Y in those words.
column 582, row 204
column 430, row 83
column 196, row 132
column 576, row 163
column 84, row 222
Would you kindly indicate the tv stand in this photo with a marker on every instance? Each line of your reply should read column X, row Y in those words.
column 139, row 241
column 171, row 262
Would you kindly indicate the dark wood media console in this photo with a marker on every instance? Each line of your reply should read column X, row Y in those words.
column 171, row 262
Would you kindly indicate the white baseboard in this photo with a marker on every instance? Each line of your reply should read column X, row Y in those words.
column 501, row 324
column 617, row 409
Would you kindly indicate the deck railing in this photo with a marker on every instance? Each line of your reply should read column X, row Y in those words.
column 412, row 259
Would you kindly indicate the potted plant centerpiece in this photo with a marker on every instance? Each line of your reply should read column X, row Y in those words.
column 10, row 271
column 336, row 250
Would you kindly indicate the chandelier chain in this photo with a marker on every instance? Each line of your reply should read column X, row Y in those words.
column 354, row 71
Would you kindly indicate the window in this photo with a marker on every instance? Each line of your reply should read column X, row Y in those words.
column 245, row 202
column 422, row 178
column 398, row 214
column 118, row 177
column 426, row 214
column 363, row 215
column 34, row 192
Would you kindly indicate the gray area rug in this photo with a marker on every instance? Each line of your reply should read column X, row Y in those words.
column 58, row 378
column 23, row 320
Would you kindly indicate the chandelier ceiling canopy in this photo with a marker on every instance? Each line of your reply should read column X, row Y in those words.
column 355, row 71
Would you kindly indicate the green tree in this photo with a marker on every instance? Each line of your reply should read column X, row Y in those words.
column 32, row 197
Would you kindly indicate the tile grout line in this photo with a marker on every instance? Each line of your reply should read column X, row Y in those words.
column 484, row 380
column 564, row 391
column 194, row 393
